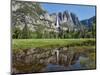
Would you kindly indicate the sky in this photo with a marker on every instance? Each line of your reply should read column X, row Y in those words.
column 82, row 11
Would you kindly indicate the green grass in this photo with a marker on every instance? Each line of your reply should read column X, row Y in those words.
column 48, row 43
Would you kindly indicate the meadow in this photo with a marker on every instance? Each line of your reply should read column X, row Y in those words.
column 50, row 43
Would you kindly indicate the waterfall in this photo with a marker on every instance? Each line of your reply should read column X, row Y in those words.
column 57, row 21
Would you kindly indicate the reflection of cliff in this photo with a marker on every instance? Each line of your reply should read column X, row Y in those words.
column 53, row 59
column 35, row 60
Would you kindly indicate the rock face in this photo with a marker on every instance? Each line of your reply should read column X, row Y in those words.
column 66, row 20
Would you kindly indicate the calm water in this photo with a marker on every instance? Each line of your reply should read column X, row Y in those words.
column 49, row 60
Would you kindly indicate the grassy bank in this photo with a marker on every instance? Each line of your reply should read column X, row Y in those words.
column 49, row 43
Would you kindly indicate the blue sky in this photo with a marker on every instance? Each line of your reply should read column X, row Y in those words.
column 83, row 12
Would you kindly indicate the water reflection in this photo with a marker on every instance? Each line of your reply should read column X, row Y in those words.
column 49, row 60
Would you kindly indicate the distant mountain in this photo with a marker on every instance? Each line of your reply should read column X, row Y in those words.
column 88, row 22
